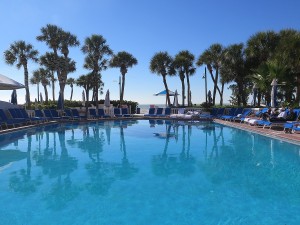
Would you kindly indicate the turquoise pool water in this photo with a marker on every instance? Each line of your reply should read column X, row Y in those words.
column 147, row 172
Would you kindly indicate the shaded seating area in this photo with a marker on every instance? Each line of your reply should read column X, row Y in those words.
column 70, row 115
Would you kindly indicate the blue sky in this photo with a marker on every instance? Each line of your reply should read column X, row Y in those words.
column 142, row 28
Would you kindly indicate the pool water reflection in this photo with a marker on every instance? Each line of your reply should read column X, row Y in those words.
column 147, row 172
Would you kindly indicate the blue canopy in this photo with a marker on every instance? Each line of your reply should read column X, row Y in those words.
column 164, row 92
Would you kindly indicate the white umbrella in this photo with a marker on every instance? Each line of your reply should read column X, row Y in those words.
column 107, row 99
column 9, row 84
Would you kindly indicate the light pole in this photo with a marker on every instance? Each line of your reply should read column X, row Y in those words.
column 204, row 76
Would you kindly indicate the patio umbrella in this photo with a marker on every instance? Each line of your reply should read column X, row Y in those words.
column 14, row 99
column 9, row 84
column 107, row 99
column 164, row 93
column 175, row 102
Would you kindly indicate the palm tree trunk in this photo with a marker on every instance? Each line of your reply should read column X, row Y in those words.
column 38, row 91
column 53, row 86
column 71, row 92
column 167, row 90
column 183, row 90
column 122, row 92
column 26, row 84
column 188, row 89
column 46, row 94
column 221, row 94
column 87, row 101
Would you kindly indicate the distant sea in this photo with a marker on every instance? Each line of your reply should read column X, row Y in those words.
column 145, row 107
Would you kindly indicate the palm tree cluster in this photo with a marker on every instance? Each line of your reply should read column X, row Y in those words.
column 98, row 57
column 265, row 56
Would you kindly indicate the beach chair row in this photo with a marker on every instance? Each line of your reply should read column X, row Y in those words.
column 158, row 112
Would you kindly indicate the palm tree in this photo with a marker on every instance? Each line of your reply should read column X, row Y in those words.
column 187, row 67
column 123, row 60
column 179, row 66
column 36, row 80
column 212, row 57
column 162, row 64
column 288, row 52
column 43, row 75
column 71, row 82
column 96, row 50
column 49, row 61
column 58, row 39
column 86, row 81
column 20, row 53
column 233, row 69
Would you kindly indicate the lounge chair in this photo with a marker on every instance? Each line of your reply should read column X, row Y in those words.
column 102, row 114
column 117, row 112
column 125, row 112
column 242, row 116
column 7, row 121
column 93, row 113
column 38, row 113
column 159, row 112
column 151, row 112
column 232, row 113
column 32, row 119
column 75, row 113
column 70, row 115
column 49, row 116
column 17, row 115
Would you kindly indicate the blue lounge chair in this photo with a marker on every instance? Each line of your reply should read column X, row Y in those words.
column 245, row 113
column 230, row 114
column 6, row 121
column 32, row 119
column 125, row 112
column 151, row 112
column 40, row 114
column 102, row 114
column 69, row 114
column 49, row 116
column 93, row 113
column 75, row 113
column 17, row 115
column 159, row 112
column 117, row 112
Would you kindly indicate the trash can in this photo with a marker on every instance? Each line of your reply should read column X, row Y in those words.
column 138, row 110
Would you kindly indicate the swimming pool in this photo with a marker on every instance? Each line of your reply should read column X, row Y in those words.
column 147, row 172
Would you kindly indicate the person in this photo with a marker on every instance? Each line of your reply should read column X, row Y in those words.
column 292, row 116
column 267, row 115
column 282, row 116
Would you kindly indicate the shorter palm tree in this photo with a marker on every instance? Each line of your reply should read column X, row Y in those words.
column 86, row 81
column 162, row 64
column 20, row 53
column 42, row 76
column 123, row 60
column 71, row 82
